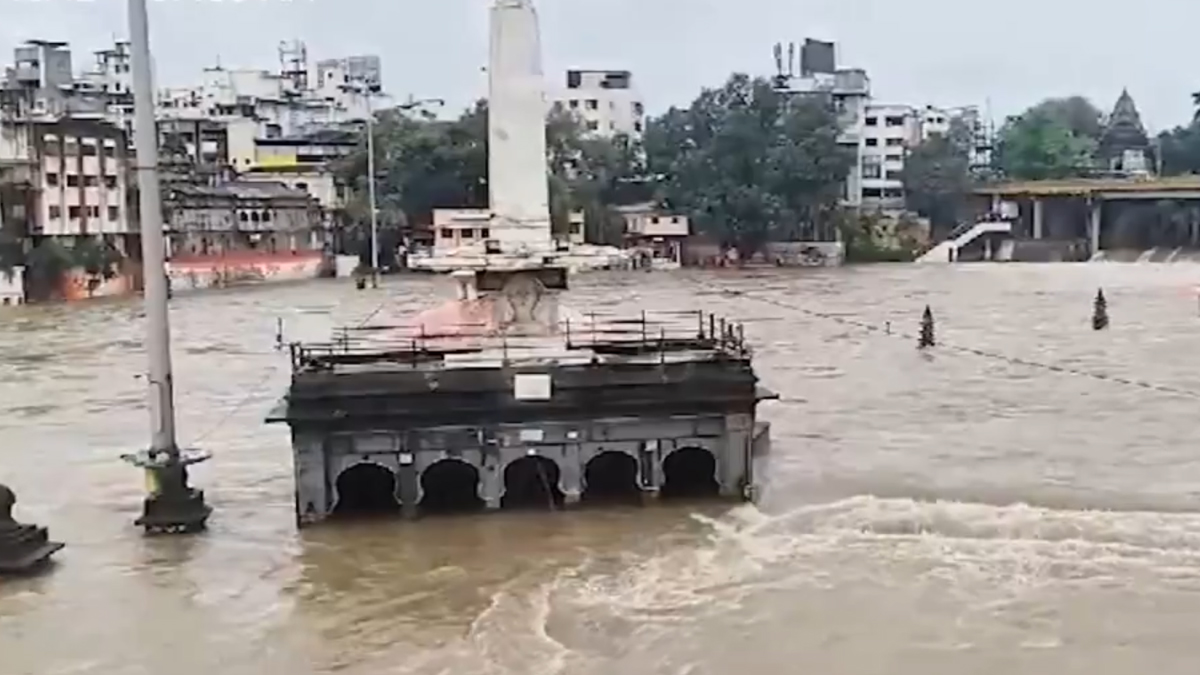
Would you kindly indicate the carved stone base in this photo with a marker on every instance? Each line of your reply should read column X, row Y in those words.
column 172, row 506
column 175, row 512
column 23, row 548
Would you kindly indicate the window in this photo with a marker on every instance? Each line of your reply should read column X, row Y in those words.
column 638, row 108
column 254, row 216
column 110, row 151
column 90, row 181
column 110, row 182
column 93, row 211
column 872, row 142
column 872, row 193
column 73, row 212
column 302, row 186
column 70, row 146
column 53, row 146
column 266, row 216
column 113, row 213
column 52, row 179
column 893, row 142
column 243, row 217
column 55, row 212
column 573, row 104
column 593, row 125
column 592, row 104
column 871, row 121
column 637, row 127
column 871, row 168
column 485, row 233
column 574, row 79
column 72, row 180
column 446, row 233
column 895, row 121
column 90, row 149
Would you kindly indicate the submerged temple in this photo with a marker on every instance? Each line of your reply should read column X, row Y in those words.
column 502, row 398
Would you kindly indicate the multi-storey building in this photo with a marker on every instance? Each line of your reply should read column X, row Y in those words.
column 888, row 133
column 606, row 101
column 880, row 134
column 77, row 172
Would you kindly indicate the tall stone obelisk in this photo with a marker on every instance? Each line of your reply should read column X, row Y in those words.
column 517, row 167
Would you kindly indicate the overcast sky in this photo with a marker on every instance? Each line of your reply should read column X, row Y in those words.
column 944, row 52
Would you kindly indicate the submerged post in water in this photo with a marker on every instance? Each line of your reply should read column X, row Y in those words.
column 170, row 506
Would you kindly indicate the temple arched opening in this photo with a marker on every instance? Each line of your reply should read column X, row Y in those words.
column 366, row 490
column 531, row 482
column 450, row 486
column 689, row 472
column 611, row 477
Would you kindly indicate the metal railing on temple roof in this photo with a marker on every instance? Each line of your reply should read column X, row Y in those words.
column 650, row 333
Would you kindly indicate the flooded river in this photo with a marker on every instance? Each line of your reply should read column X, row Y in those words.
column 941, row 514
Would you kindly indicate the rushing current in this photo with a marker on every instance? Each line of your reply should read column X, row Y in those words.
column 945, row 512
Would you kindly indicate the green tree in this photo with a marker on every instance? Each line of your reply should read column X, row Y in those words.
column 1179, row 150
column 937, row 178
column 423, row 164
column 1056, row 138
column 749, row 164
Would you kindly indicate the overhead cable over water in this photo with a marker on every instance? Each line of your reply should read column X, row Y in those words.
column 973, row 351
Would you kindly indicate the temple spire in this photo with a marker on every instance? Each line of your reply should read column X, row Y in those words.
column 1124, row 143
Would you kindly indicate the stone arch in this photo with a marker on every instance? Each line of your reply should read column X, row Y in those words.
column 689, row 471
column 532, row 482
column 450, row 485
column 611, row 475
column 365, row 488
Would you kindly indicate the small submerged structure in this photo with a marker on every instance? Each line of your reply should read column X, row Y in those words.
column 501, row 398
column 23, row 548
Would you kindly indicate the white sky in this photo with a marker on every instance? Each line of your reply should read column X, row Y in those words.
column 944, row 52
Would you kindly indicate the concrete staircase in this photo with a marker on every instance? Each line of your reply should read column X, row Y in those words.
column 947, row 251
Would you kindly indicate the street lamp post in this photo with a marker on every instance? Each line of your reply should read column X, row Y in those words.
column 372, row 204
column 371, row 193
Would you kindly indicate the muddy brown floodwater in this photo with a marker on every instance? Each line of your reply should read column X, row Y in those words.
column 926, row 514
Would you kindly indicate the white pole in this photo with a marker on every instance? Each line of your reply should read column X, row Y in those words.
column 371, row 192
column 158, row 330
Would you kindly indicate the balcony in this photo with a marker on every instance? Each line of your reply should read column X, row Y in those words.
column 27, row 75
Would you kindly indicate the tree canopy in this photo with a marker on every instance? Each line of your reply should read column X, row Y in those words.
column 1179, row 148
column 423, row 164
column 937, row 177
column 749, row 164
column 743, row 161
column 1056, row 138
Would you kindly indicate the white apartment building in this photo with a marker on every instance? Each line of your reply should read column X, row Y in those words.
column 935, row 121
column 849, row 90
column 888, row 133
column 606, row 101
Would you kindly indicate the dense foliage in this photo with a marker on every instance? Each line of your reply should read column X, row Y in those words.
column 750, row 165
column 746, row 163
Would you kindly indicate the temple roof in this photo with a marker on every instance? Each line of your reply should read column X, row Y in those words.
column 1124, row 130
